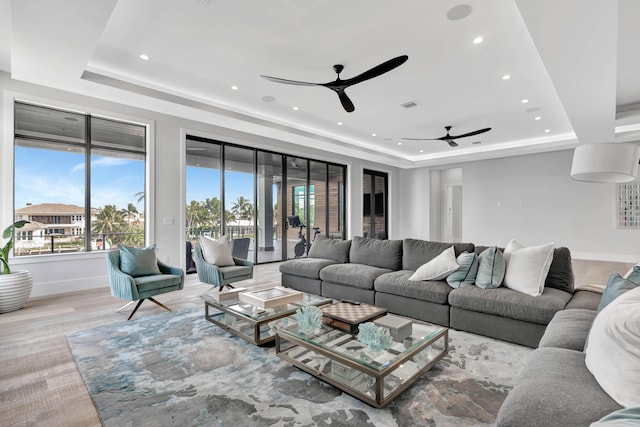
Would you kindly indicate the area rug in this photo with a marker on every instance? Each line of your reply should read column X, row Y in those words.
column 177, row 369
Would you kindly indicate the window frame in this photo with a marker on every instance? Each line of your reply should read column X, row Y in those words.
column 7, row 174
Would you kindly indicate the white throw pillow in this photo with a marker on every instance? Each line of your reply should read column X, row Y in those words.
column 438, row 268
column 216, row 251
column 527, row 268
column 613, row 349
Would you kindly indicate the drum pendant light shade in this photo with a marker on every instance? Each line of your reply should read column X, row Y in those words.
column 607, row 162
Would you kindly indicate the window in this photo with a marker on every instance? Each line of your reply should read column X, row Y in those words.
column 79, row 179
column 258, row 191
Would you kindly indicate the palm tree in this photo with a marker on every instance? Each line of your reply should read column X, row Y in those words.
column 214, row 209
column 195, row 213
column 129, row 211
column 243, row 209
column 109, row 220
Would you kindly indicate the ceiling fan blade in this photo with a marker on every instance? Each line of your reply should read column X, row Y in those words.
column 464, row 135
column 346, row 102
column 290, row 82
column 377, row 70
column 452, row 143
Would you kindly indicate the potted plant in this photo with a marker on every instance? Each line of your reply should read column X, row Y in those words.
column 15, row 286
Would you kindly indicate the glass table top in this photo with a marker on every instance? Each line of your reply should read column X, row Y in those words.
column 257, row 313
column 348, row 346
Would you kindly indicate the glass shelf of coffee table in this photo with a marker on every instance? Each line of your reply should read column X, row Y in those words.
column 255, row 324
column 339, row 359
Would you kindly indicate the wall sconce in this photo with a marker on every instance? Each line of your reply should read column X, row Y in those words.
column 606, row 162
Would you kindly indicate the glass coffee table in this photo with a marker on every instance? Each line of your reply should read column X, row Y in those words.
column 254, row 324
column 339, row 359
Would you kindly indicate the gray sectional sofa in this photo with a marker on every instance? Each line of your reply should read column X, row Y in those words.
column 555, row 388
column 377, row 272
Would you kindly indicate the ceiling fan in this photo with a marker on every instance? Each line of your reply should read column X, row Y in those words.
column 339, row 85
column 449, row 139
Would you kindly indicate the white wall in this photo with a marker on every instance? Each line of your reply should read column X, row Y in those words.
column 165, row 198
column 532, row 198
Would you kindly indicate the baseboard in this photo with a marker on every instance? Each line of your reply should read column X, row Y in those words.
column 42, row 289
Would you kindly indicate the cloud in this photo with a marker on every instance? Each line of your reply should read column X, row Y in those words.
column 101, row 162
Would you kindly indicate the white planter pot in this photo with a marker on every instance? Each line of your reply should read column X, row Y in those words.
column 15, row 289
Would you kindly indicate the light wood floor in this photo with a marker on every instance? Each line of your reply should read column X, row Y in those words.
column 39, row 382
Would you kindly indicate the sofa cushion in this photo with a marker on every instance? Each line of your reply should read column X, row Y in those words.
column 305, row 267
column 417, row 252
column 376, row 253
column 324, row 247
column 509, row 303
column 584, row 299
column 527, row 267
column 152, row 283
column 617, row 285
column 555, row 389
column 568, row 329
column 398, row 283
column 438, row 268
column 612, row 354
column 138, row 262
column 356, row 275
column 560, row 274
column 466, row 272
column 491, row 268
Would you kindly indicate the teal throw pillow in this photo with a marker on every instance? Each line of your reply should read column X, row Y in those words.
column 618, row 285
column 626, row 417
column 138, row 262
column 491, row 268
column 467, row 271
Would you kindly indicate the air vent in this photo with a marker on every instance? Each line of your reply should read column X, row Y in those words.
column 409, row 104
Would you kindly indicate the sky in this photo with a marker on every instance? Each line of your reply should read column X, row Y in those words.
column 49, row 176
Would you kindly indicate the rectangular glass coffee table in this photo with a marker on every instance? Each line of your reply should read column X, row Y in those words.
column 254, row 324
column 339, row 359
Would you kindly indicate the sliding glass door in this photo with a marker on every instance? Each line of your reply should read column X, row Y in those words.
column 276, row 203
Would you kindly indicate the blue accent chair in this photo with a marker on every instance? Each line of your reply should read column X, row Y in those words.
column 144, row 287
column 221, row 276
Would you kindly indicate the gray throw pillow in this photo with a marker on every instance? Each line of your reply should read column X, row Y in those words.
column 560, row 274
column 138, row 262
column 333, row 249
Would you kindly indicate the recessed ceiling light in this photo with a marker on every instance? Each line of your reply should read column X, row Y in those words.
column 339, row 123
column 537, row 118
column 478, row 40
column 373, row 134
column 295, row 108
column 547, row 130
column 234, row 87
column 422, row 151
column 144, row 57
column 524, row 101
column 506, row 77
column 399, row 143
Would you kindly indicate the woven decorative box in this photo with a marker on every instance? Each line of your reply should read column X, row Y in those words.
column 399, row 327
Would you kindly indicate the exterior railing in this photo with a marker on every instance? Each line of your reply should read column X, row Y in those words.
column 67, row 243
